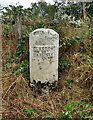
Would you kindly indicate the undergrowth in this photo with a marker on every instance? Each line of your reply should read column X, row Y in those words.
column 75, row 75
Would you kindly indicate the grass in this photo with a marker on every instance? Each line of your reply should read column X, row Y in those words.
column 75, row 88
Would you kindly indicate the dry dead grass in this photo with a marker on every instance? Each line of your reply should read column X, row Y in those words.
column 18, row 96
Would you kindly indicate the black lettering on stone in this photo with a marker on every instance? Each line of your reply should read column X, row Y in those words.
column 43, row 52
column 39, row 48
column 42, row 48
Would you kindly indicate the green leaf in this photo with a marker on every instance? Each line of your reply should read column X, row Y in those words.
column 48, row 116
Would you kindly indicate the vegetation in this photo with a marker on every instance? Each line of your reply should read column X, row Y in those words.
column 73, row 97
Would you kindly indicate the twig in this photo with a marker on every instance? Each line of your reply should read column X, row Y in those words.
column 11, row 86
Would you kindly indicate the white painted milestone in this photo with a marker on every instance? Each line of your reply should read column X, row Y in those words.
column 43, row 48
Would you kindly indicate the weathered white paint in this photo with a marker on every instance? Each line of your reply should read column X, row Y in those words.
column 44, row 47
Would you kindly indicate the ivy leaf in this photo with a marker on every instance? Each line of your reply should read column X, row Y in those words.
column 48, row 116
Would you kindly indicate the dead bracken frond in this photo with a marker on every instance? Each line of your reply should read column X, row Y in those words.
column 75, row 85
